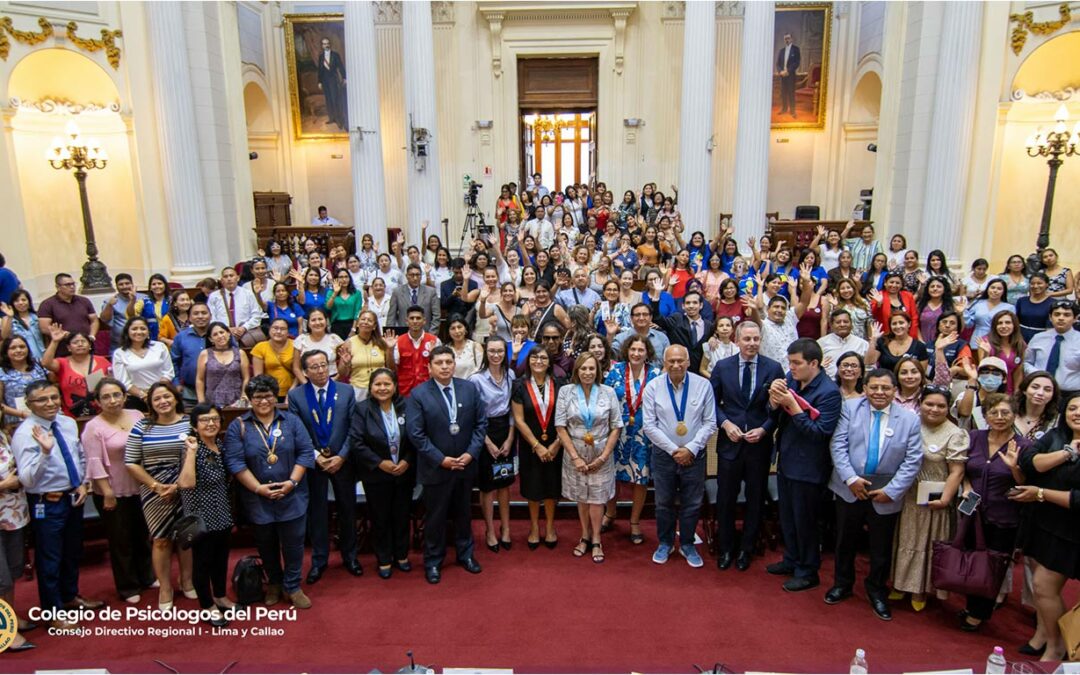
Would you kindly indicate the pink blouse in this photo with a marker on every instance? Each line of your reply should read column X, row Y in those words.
column 14, row 514
column 104, row 448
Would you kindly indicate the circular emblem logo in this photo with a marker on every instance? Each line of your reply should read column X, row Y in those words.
column 9, row 625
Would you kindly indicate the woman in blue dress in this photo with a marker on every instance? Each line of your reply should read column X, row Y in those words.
column 628, row 378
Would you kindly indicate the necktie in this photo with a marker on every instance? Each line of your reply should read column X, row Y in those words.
column 875, row 444
column 232, row 311
column 322, row 398
column 747, row 376
column 448, row 395
column 1054, row 360
column 414, row 296
column 69, row 461
column 693, row 332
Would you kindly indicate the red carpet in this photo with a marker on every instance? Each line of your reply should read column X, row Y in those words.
column 545, row 611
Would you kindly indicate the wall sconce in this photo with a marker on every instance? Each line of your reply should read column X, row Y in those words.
column 485, row 124
column 633, row 122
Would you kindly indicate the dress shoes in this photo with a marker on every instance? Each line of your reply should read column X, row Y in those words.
column 470, row 565
column 315, row 574
column 742, row 562
column 881, row 608
column 723, row 561
column 837, row 594
column 1027, row 650
column 432, row 575
column 385, row 572
column 354, row 567
column 403, row 565
column 796, row 584
column 82, row 603
column 217, row 620
column 780, row 569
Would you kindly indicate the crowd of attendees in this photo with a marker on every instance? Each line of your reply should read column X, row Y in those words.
column 573, row 327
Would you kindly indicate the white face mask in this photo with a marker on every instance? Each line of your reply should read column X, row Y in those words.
column 990, row 381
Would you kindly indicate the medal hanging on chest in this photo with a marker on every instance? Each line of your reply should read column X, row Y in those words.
column 586, row 408
column 270, row 438
column 633, row 403
column 680, row 410
column 543, row 412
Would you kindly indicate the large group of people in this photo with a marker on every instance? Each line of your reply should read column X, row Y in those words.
column 586, row 341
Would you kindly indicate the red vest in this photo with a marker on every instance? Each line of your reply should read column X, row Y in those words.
column 412, row 362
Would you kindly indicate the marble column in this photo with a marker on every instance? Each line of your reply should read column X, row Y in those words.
column 696, row 115
column 185, row 200
column 755, row 108
column 951, row 126
column 365, row 137
column 425, row 203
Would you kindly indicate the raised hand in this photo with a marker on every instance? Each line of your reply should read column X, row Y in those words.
column 984, row 344
column 876, row 331
column 821, row 231
column 6, row 309
column 389, row 334
column 43, row 438
column 1011, row 456
column 191, row 444
column 485, row 293
column 612, row 326
column 945, row 340
column 57, row 332
column 969, row 370
column 876, row 296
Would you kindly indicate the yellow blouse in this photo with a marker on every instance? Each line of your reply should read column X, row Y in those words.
column 366, row 358
column 277, row 365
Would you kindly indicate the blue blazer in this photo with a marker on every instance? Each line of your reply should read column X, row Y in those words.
column 732, row 406
column 899, row 456
column 802, row 443
column 427, row 422
column 339, row 424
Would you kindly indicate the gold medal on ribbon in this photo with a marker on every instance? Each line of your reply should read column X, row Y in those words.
column 588, row 438
column 271, row 458
column 680, row 428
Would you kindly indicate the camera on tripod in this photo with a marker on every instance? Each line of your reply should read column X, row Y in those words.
column 471, row 192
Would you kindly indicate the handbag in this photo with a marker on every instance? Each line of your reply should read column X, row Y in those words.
column 1069, row 623
column 189, row 529
column 976, row 572
column 502, row 468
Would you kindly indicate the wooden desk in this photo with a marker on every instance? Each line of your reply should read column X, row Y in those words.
column 797, row 234
column 292, row 237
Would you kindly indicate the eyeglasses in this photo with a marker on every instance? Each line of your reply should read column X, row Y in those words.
column 546, row 338
column 318, row 366
column 263, row 398
column 206, row 419
column 999, row 414
column 67, row 283
column 55, row 398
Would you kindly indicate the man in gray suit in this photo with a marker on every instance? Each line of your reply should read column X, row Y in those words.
column 413, row 293
column 876, row 453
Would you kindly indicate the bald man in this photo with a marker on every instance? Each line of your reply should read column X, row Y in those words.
column 679, row 418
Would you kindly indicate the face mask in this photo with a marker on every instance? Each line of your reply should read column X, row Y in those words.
column 990, row 382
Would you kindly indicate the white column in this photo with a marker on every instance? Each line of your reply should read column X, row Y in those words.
column 696, row 114
column 178, row 138
column 755, row 109
column 951, row 126
column 424, row 201
column 365, row 136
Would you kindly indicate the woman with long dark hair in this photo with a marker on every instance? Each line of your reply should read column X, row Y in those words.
column 496, row 469
column 18, row 368
column 935, row 299
column 850, row 372
column 21, row 319
column 979, row 314
column 344, row 304
column 155, row 307
column 140, row 362
column 386, row 465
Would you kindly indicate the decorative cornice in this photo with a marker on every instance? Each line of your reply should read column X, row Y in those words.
column 7, row 27
column 51, row 106
column 1058, row 96
column 619, row 16
column 673, row 11
column 495, row 24
column 107, row 42
column 728, row 8
column 1026, row 22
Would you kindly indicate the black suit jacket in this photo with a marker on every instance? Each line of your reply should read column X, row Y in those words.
column 677, row 327
column 732, row 406
column 794, row 60
column 328, row 77
column 367, row 438
column 339, row 424
column 428, row 423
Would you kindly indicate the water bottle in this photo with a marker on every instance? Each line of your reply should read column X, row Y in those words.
column 858, row 664
column 995, row 663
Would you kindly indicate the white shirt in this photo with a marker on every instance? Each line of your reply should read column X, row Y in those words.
column 267, row 293
column 833, row 347
column 542, row 231
column 329, row 220
column 327, row 345
column 776, row 338
column 142, row 371
column 787, row 55
column 245, row 308
column 659, row 414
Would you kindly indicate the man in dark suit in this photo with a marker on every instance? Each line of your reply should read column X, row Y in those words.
column 447, row 423
column 688, row 328
column 332, row 85
column 744, row 447
column 877, row 454
column 787, row 64
column 808, row 408
column 413, row 294
column 324, row 407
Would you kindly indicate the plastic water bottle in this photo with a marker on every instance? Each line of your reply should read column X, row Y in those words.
column 995, row 663
column 858, row 664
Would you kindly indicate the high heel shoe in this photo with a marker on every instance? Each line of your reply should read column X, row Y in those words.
column 1027, row 650
column 918, row 605
column 494, row 548
column 606, row 523
column 895, row 595
column 190, row 593
column 533, row 545
column 166, row 605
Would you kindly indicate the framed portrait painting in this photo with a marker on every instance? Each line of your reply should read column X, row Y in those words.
column 315, row 51
column 800, row 65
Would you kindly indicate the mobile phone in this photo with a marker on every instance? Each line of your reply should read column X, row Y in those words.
column 1013, row 491
column 970, row 503
column 74, row 498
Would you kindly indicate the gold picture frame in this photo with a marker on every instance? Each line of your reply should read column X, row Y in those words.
column 317, row 85
column 799, row 98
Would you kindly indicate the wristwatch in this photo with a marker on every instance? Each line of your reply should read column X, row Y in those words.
column 1039, row 495
column 1073, row 454
column 295, row 484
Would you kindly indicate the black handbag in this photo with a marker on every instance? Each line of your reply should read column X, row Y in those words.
column 502, row 468
column 189, row 528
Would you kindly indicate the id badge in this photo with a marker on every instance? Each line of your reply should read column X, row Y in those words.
column 39, row 510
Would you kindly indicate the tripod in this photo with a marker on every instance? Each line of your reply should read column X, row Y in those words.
column 474, row 226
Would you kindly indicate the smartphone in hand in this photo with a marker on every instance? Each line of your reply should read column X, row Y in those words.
column 970, row 503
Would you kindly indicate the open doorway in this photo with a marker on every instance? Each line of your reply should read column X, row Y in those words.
column 557, row 99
